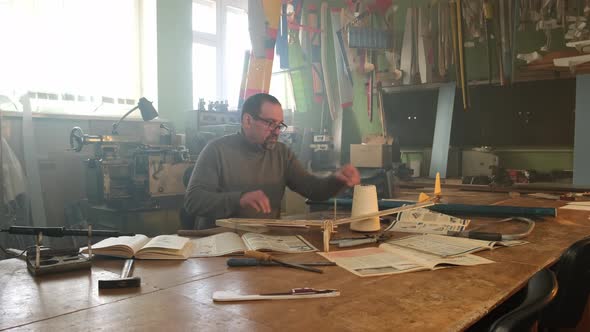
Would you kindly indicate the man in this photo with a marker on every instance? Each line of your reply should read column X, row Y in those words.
column 244, row 175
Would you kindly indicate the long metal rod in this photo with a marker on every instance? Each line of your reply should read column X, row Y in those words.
column 462, row 209
column 320, row 223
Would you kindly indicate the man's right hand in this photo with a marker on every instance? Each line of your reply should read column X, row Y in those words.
column 256, row 200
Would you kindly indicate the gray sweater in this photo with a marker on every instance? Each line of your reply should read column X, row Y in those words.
column 230, row 166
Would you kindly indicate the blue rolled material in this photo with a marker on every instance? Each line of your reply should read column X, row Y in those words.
column 461, row 209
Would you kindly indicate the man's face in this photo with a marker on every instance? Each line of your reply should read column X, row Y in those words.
column 264, row 129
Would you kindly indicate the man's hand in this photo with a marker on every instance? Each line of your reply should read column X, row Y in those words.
column 348, row 174
column 256, row 200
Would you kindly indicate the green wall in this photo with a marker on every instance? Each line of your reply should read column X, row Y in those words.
column 174, row 61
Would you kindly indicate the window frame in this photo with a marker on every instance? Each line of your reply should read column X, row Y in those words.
column 218, row 40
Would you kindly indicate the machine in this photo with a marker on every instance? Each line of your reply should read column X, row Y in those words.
column 125, row 173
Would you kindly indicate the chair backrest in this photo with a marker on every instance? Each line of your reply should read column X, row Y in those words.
column 541, row 289
column 573, row 275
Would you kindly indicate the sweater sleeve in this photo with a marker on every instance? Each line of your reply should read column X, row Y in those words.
column 308, row 185
column 203, row 196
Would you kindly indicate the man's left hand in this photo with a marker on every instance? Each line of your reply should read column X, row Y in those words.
column 348, row 174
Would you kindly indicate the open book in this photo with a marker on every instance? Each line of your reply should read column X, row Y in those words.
column 232, row 243
column 389, row 259
column 448, row 246
column 142, row 247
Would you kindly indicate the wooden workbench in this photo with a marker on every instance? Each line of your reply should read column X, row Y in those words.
column 176, row 295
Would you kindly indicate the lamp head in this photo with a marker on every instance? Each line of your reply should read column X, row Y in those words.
column 148, row 112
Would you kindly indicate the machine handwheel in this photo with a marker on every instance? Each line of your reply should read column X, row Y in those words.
column 76, row 139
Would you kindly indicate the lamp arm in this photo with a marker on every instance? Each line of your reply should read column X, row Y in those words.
column 116, row 124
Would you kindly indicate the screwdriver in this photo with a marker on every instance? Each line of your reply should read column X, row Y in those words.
column 268, row 258
column 237, row 262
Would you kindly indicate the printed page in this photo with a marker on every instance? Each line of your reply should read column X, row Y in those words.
column 426, row 221
column 447, row 246
column 434, row 261
column 217, row 245
column 165, row 247
column 370, row 262
column 510, row 243
column 287, row 244
column 440, row 245
column 171, row 242
column 121, row 246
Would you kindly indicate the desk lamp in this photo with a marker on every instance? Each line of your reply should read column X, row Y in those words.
column 148, row 112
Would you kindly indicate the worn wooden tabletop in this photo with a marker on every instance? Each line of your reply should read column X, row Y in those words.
column 176, row 295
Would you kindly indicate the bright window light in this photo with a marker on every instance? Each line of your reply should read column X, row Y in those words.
column 70, row 48
column 204, row 73
column 219, row 27
column 237, row 42
column 205, row 16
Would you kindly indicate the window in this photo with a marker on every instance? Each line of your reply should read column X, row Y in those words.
column 74, row 55
column 220, row 38
column 281, row 86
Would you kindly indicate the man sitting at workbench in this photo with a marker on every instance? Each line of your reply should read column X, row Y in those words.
column 244, row 175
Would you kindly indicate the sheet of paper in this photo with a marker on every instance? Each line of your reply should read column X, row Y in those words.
column 426, row 221
column 433, row 261
column 576, row 207
column 582, row 203
column 438, row 245
column 443, row 246
column 171, row 242
column 289, row 244
column 217, row 245
column 370, row 262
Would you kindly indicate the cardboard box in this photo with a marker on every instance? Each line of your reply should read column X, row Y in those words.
column 370, row 155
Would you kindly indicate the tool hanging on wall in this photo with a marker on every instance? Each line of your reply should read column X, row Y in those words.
column 345, row 92
column 505, row 15
column 311, row 45
column 407, row 61
column 461, row 53
column 381, row 109
column 263, row 23
column 497, row 28
column 444, row 51
column 324, row 55
column 488, row 16
column 515, row 16
column 369, row 86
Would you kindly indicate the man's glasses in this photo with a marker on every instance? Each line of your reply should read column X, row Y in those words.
column 270, row 124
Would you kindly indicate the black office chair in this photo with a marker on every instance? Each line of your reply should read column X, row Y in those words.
column 541, row 290
column 573, row 275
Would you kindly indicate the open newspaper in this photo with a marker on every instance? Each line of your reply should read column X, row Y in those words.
column 447, row 246
column 389, row 259
column 426, row 221
column 231, row 243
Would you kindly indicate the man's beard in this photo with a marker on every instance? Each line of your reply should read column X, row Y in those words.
column 270, row 142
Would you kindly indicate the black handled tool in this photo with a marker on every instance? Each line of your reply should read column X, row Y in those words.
column 62, row 231
column 266, row 257
column 239, row 262
column 125, row 281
